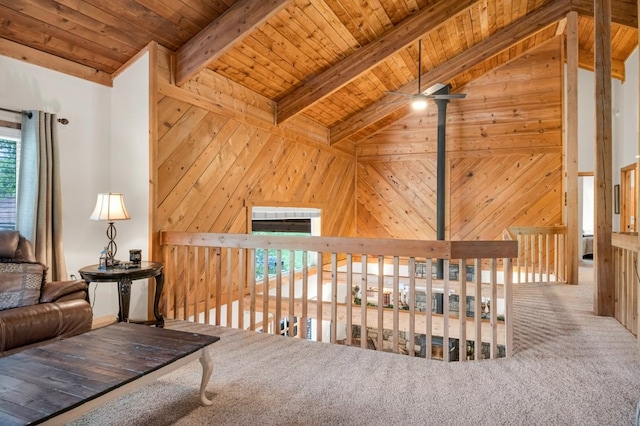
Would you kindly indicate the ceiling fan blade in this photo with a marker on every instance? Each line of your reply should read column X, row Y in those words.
column 449, row 96
column 389, row 92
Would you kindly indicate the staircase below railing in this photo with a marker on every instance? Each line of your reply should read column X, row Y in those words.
column 625, row 261
column 541, row 253
column 373, row 293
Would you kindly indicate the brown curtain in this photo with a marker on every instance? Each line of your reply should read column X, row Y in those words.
column 39, row 216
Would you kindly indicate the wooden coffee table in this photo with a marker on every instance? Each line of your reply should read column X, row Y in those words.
column 60, row 381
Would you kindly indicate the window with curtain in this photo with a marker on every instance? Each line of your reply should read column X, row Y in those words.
column 9, row 169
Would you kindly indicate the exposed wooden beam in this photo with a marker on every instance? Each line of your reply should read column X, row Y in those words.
column 622, row 12
column 571, row 148
column 501, row 40
column 370, row 55
column 562, row 26
column 604, row 297
column 223, row 34
column 47, row 60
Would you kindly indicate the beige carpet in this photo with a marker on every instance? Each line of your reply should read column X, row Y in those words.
column 570, row 368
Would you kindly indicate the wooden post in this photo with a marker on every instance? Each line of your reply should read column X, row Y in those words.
column 571, row 149
column 604, row 285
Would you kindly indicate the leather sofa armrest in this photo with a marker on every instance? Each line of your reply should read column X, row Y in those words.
column 57, row 290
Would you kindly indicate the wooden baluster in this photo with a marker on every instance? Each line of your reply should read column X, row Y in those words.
column 462, row 310
column 477, row 346
column 265, row 291
column 242, row 285
column 349, row 300
column 229, row 276
column 196, row 285
column 218, row 285
column 305, row 294
column 380, row 343
column 396, row 304
column 252, row 289
column 292, row 293
column 429, row 309
column 363, row 303
column 411, row 343
column 187, row 284
column 319, row 299
column 207, row 284
column 278, row 316
column 334, row 297
column 508, row 301
column 494, row 309
column 445, row 315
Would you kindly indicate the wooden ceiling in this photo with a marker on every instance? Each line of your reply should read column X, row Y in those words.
column 329, row 60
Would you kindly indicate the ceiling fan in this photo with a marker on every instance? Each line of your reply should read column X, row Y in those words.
column 419, row 100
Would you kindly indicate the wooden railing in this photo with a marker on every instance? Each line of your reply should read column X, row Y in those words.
column 625, row 261
column 365, row 292
column 541, row 253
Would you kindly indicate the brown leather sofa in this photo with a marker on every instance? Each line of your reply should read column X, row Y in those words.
column 32, row 310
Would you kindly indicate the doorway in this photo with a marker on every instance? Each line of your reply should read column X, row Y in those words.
column 628, row 198
column 586, row 215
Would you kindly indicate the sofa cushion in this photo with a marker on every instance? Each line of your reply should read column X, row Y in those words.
column 20, row 284
column 8, row 243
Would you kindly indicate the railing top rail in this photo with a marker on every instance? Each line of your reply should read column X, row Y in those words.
column 529, row 230
column 625, row 240
column 370, row 246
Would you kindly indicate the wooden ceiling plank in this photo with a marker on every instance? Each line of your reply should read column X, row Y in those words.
column 305, row 25
column 223, row 34
column 108, row 24
column 263, row 45
column 167, row 9
column 367, row 57
column 475, row 23
column 211, row 9
column 19, row 28
column 466, row 29
column 354, row 23
column 501, row 40
column 133, row 14
column 73, row 21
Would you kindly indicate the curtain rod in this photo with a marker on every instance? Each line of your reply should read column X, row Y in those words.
column 62, row 121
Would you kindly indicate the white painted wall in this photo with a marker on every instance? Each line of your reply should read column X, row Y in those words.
column 624, row 123
column 130, row 167
column 91, row 160
column 586, row 120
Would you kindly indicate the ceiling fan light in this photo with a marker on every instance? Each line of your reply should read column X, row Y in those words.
column 419, row 103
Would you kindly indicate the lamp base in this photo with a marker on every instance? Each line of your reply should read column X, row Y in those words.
column 112, row 247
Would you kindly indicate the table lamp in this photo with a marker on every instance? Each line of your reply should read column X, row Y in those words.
column 110, row 207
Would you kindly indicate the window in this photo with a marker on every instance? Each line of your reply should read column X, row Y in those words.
column 287, row 221
column 9, row 168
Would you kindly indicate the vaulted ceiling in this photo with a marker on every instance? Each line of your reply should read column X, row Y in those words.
column 330, row 60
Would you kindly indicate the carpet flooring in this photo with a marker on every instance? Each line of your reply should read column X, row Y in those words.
column 570, row 368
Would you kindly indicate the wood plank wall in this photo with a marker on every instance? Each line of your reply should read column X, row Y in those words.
column 218, row 151
column 504, row 158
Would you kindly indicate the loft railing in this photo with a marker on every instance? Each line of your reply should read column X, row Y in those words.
column 372, row 293
column 625, row 260
column 541, row 253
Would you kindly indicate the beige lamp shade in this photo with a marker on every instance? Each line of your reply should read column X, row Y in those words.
column 110, row 207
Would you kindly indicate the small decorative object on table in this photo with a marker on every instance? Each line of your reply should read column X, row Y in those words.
column 135, row 256
column 102, row 264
